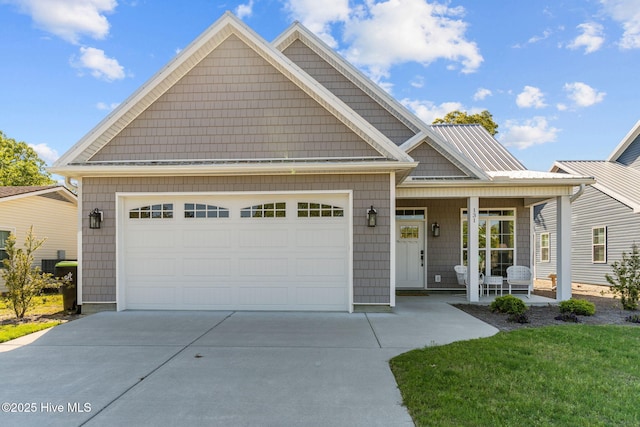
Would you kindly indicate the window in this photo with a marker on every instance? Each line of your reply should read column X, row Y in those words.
column 164, row 210
column 197, row 210
column 268, row 210
column 496, row 240
column 544, row 247
column 317, row 210
column 4, row 235
column 599, row 245
column 409, row 232
column 410, row 214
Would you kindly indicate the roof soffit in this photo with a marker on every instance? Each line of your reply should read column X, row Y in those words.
column 188, row 59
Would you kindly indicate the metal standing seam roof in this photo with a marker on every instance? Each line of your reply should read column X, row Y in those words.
column 474, row 142
column 612, row 178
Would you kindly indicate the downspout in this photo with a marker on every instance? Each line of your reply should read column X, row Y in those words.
column 577, row 193
column 69, row 185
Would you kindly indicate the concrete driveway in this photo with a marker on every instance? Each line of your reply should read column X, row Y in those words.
column 223, row 368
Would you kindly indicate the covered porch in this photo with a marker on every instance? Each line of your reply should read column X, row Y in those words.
column 439, row 222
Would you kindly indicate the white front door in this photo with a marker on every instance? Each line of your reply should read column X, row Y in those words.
column 410, row 254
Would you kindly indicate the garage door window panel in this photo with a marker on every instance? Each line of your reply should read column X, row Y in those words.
column 201, row 210
column 319, row 210
column 157, row 211
column 267, row 210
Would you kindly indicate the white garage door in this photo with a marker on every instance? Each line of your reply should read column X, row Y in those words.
column 230, row 252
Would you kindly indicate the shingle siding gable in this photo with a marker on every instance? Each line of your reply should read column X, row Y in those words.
column 348, row 92
column 432, row 163
column 234, row 105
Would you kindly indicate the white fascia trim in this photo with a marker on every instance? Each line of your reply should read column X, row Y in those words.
column 626, row 141
column 204, row 170
column 502, row 183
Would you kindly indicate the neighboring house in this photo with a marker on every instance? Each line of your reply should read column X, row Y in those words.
column 605, row 217
column 53, row 213
column 244, row 176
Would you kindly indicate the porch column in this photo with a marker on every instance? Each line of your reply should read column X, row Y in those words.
column 563, row 248
column 473, row 205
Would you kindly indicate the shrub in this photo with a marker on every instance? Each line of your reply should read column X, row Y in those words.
column 578, row 306
column 508, row 304
column 633, row 318
column 626, row 278
column 22, row 280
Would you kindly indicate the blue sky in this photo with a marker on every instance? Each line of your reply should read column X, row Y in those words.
column 559, row 76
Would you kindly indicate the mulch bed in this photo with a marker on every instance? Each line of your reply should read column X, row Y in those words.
column 608, row 312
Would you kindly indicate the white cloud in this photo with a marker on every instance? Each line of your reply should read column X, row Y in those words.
column 562, row 107
column 481, row 94
column 107, row 107
column 427, row 111
column 627, row 12
column 100, row 66
column 244, row 10
column 379, row 35
column 591, row 38
column 531, row 132
column 46, row 153
column 417, row 82
column 530, row 97
column 582, row 94
column 393, row 32
column 317, row 16
column 70, row 19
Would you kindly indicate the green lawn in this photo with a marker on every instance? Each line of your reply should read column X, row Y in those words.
column 10, row 332
column 44, row 305
column 574, row 375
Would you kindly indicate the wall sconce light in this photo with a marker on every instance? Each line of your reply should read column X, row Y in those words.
column 372, row 217
column 435, row 229
column 95, row 218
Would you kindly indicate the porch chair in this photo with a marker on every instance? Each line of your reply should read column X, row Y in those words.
column 519, row 277
column 461, row 276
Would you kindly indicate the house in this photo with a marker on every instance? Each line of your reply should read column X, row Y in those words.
column 250, row 175
column 51, row 210
column 605, row 218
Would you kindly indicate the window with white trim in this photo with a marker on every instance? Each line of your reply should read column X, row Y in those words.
column 159, row 211
column 267, row 210
column 201, row 210
column 317, row 210
column 4, row 235
column 544, row 247
column 599, row 245
column 496, row 240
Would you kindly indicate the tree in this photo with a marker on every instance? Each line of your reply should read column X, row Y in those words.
column 462, row 118
column 20, row 164
column 626, row 278
column 22, row 279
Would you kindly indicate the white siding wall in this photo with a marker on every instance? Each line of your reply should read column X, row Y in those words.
column 54, row 219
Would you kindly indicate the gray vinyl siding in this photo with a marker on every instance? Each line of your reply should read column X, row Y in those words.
column 371, row 246
column 348, row 92
column 631, row 156
column 444, row 252
column 234, row 105
column 432, row 163
column 592, row 209
column 544, row 219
